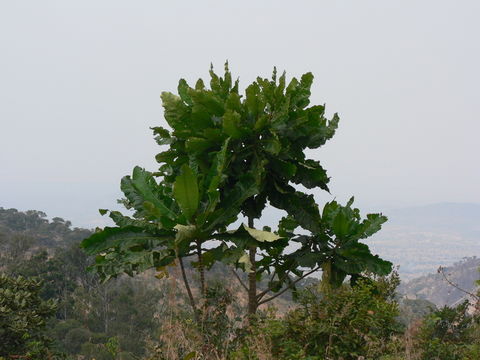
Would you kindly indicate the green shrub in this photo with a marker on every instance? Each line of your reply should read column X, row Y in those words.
column 23, row 316
column 343, row 323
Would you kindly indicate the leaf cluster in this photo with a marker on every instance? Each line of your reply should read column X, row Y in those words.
column 23, row 316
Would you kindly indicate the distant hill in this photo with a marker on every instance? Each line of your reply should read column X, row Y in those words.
column 34, row 225
column 420, row 239
column 434, row 288
column 25, row 233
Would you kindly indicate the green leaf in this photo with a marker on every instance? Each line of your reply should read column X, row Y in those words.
column 163, row 136
column 372, row 225
column 183, row 90
column 272, row 145
column 124, row 221
column 284, row 169
column 323, row 132
column 231, row 124
column 197, row 145
column 123, row 238
column 286, row 226
column 185, row 191
column 166, row 156
column 175, row 111
column 341, row 225
column 311, row 175
column 253, row 102
column 356, row 258
column 234, row 197
column 216, row 173
column 141, row 189
column 300, row 206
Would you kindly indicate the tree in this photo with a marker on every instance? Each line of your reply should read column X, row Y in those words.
column 229, row 155
column 22, row 318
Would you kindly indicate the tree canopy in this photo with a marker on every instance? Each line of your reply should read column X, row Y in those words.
column 229, row 154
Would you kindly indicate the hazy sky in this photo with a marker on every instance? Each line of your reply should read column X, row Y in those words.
column 80, row 84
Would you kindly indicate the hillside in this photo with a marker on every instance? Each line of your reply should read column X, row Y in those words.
column 434, row 287
column 420, row 239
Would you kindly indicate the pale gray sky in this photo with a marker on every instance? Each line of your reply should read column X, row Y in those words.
column 80, row 84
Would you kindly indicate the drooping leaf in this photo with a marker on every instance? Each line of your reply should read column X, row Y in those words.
column 300, row 206
column 262, row 236
column 145, row 195
column 311, row 175
column 123, row 238
column 245, row 261
column 162, row 136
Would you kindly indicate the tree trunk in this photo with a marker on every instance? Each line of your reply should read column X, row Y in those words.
column 189, row 291
column 201, row 269
column 252, row 278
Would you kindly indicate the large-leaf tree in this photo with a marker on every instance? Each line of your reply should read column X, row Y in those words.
column 229, row 154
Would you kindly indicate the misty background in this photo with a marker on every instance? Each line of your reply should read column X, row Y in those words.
column 80, row 85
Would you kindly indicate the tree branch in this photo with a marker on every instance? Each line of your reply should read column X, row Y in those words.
column 264, row 292
column 289, row 286
column 240, row 280
column 456, row 286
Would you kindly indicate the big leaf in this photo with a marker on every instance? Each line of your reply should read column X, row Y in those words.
column 185, row 191
column 123, row 238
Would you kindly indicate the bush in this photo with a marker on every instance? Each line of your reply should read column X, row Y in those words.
column 450, row 334
column 348, row 322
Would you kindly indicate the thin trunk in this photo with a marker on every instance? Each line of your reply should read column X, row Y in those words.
column 105, row 309
column 289, row 286
column 252, row 277
column 201, row 269
column 189, row 291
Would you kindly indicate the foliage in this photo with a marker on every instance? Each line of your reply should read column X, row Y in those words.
column 146, row 318
column 413, row 310
column 230, row 154
column 23, row 316
column 450, row 334
column 347, row 322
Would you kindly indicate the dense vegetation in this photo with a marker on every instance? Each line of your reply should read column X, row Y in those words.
column 228, row 156
column 149, row 318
